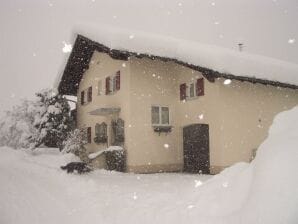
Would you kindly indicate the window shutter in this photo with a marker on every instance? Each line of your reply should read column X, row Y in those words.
column 183, row 91
column 118, row 80
column 82, row 97
column 89, row 134
column 200, row 87
column 89, row 94
column 107, row 85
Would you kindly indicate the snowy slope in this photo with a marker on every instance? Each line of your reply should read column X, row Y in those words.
column 213, row 57
column 34, row 190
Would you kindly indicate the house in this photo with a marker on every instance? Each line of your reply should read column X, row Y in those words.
column 171, row 115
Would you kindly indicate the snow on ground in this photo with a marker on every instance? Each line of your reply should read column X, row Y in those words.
column 35, row 190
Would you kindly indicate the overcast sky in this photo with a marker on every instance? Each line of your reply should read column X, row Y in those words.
column 33, row 32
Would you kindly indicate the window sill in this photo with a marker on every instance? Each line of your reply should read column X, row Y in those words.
column 191, row 98
column 162, row 128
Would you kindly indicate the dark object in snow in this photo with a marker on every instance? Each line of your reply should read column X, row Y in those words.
column 79, row 167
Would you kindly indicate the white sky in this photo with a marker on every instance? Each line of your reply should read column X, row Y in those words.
column 33, row 31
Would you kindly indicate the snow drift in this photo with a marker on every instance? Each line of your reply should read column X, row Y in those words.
column 35, row 190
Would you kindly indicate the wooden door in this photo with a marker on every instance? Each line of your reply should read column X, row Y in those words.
column 196, row 148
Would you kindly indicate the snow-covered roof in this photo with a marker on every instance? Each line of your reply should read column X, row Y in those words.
column 220, row 61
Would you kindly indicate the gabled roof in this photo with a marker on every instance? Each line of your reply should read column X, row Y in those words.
column 259, row 69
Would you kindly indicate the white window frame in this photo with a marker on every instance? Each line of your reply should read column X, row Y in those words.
column 160, row 115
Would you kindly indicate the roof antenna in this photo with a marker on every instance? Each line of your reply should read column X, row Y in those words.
column 240, row 46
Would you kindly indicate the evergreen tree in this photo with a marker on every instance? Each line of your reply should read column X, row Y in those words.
column 52, row 119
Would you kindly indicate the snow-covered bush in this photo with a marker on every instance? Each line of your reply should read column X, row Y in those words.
column 52, row 119
column 75, row 143
column 17, row 126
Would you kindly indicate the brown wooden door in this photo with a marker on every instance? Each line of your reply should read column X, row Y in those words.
column 196, row 148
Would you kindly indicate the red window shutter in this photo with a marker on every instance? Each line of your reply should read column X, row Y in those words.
column 107, row 85
column 200, row 87
column 82, row 97
column 90, row 94
column 89, row 134
column 183, row 91
column 118, row 80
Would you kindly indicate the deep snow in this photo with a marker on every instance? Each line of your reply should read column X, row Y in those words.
column 35, row 190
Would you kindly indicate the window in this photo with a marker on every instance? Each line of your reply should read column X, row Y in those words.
column 86, row 96
column 101, row 133
column 89, row 97
column 160, row 115
column 113, row 83
column 192, row 90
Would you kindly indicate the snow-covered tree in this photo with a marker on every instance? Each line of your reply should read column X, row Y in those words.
column 52, row 119
column 17, row 126
column 75, row 143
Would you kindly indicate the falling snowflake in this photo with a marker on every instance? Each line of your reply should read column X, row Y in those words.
column 135, row 197
column 201, row 116
column 166, row 146
column 227, row 81
column 190, row 206
column 131, row 36
column 225, row 184
column 153, row 75
column 123, row 65
column 66, row 48
column 34, row 54
column 291, row 41
column 216, row 23
column 198, row 183
column 180, row 4
column 213, row 3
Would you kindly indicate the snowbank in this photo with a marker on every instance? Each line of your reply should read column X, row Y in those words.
column 109, row 149
column 274, row 193
column 213, row 57
column 35, row 190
